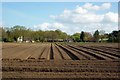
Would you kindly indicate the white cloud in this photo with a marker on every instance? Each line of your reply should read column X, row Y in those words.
column 49, row 26
column 90, row 6
column 82, row 15
column 73, row 28
column 66, row 11
column 43, row 26
column 87, row 18
column 57, row 25
column 111, row 17
column 83, row 18
column 106, row 6
column 80, row 10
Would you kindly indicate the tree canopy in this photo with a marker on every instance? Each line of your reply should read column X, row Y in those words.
column 96, row 36
column 13, row 33
column 82, row 36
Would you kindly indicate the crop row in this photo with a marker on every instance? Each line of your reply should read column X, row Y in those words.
column 60, row 52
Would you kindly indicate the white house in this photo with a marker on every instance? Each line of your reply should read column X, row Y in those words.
column 104, row 39
column 20, row 39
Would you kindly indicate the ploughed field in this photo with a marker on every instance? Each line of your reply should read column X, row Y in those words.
column 60, row 60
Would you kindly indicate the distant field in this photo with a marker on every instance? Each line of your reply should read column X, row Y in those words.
column 60, row 60
column 49, row 51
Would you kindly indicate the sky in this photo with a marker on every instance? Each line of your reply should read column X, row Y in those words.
column 70, row 17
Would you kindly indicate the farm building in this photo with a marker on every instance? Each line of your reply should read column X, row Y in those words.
column 69, row 40
column 24, row 39
column 27, row 40
column 20, row 39
column 103, row 40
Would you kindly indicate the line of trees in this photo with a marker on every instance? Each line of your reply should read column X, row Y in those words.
column 12, row 34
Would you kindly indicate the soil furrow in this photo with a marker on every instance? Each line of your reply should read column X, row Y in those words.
column 90, row 53
column 60, row 53
column 69, row 53
column 64, row 53
column 57, row 55
column 104, row 51
column 46, row 53
column 88, row 57
column 106, row 48
column 77, row 53
column 51, row 52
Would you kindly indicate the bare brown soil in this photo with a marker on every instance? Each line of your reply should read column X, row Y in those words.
column 59, row 60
